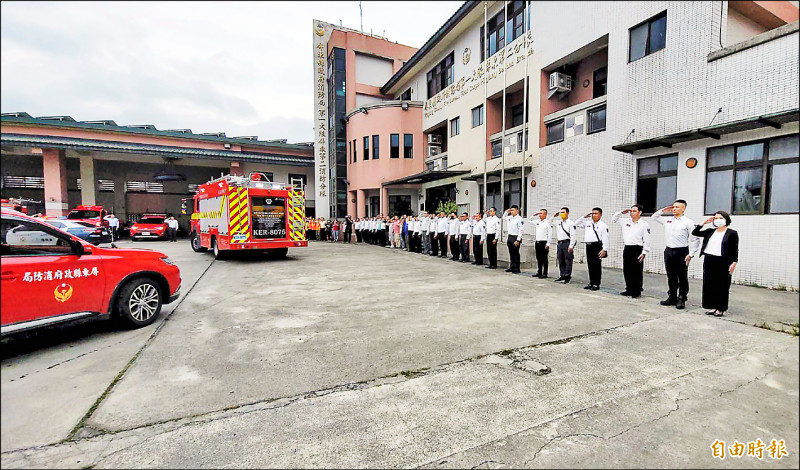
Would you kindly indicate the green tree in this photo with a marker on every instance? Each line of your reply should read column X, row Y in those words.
column 447, row 207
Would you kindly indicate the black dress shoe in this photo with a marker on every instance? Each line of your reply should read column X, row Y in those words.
column 543, row 277
column 636, row 296
column 669, row 302
column 681, row 304
column 508, row 270
column 588, row 286
column 595, row 287
column 625, row 293
column 537, row 275
column 560, row 278
column 567, row 281
column 515, row 272
column 491, row 267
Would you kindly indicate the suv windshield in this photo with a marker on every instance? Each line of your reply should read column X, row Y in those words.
column 152, row 220
column 83, row 214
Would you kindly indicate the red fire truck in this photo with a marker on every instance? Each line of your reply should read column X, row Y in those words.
column 233, row 213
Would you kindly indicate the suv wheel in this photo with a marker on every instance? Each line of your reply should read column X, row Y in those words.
column 196, row 245
column 139, row 302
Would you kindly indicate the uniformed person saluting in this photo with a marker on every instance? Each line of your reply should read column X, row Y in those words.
column 596, row 238
column 542, row 244
column 566, row 241
column 515, row 224
column 492, row 232
column 636, row 237
column 678, row 253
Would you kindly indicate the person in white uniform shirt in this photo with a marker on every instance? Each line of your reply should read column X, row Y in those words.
column 426, row 240
column 515, row 226
column 543, row 232
column 595, row 237
column 636, row 237
column 492, row 233
column 452, row 232
column 565, row 244
column 721, row 254
column 432, row 232
column 441, row 234
column 478, row 238
column 681, row 247
column 417, row 235
column 464, row 234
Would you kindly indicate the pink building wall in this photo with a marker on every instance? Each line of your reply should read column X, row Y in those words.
column 369, row 174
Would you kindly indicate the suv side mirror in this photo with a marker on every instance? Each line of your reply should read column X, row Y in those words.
column 77, row 248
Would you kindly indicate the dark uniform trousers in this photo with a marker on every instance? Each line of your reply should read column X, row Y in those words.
column 513, row 253
column 594, row 263
column 541, row 258
column 677, row 271
column 464, row 247
column 477, row 249
column 348, row 235
column 442, row 244
column 386, row 237
column 632, row 269
column 491, row 249
column 454, row 249
column 358, row 236
column 564, row 258
column 434, row 244
column 716, row 283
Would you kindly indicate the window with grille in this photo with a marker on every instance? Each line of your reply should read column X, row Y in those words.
column 143, row 187
column 106, row 186
column 23, row 182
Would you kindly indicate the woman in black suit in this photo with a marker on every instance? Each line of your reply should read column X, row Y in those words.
column 721, row 250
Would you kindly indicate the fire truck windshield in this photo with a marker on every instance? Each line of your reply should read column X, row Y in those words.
column 83, row 214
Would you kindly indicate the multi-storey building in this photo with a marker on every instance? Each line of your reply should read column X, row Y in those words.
column 633, row 102
column 349, row 68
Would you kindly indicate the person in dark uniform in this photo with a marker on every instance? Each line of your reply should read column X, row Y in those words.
column 721, row 251
column 348, row 229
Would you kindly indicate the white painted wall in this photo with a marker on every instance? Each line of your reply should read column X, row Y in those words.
column 372, row 70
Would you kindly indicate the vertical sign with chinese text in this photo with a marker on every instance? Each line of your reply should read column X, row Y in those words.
column 321, row 34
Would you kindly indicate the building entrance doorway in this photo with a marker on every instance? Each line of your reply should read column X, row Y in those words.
column 433, row 196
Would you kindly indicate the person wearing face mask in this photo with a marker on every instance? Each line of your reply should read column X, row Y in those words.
column 680, row 249
column 636, row 236
column 721, row 251
column 596, row 238
column 566, row 241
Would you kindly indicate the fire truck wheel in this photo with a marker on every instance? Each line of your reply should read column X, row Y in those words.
column 139, row 302
column 196, row 246
column 218, row 254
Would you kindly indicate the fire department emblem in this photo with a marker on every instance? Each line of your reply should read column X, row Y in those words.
column 63, row 292
column 319, row 30
column 465, row 57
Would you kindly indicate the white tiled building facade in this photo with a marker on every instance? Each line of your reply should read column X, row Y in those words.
column 718, row 69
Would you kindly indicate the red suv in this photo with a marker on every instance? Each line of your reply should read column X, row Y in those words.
column 150, row 226
column 48, row 276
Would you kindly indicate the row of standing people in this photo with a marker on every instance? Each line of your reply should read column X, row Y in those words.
column 331, row 230
column 434, row 234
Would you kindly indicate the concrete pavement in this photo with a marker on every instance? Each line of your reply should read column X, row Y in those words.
column 358, row 356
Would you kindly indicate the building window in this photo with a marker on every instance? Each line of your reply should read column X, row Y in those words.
column 555, row 132
column 477, row 116
column 516, row 115
column 515, row 25
column 23, row 182
column 350, row 149
column 394, row 145
column 597, row 119
column 455, row 127
column 648, row 37
column 496, row 36
column 430, row 166
column 355, row 151
column 375, row 149
column 497, row 148
column 599, row 82
column 406, row 96
column 408, row 145
column 519, row 141
column 146, row 187
column 366, row 147
column 441, row 76
column 657, row 182
column 758, row 177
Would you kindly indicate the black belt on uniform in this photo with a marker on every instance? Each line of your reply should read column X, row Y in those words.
column 593, row 243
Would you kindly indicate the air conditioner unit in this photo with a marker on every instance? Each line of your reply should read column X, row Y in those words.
column 434, row 150
column 560, row 82
column 434, row 139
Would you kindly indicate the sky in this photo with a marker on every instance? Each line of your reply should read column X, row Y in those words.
column 243, row 68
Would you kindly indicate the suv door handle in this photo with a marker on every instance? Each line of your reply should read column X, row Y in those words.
column 8, row 276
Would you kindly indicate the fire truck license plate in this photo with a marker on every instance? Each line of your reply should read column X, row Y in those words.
column 269, row 217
